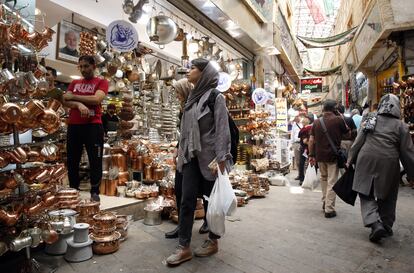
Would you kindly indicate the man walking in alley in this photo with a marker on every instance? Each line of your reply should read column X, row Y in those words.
column 295, row 142
column 320, row 151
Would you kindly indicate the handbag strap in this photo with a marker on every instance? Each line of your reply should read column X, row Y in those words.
column 334, row 148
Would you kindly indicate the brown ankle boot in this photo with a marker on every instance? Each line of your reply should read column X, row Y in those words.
column 208, row 248
column 181, row 254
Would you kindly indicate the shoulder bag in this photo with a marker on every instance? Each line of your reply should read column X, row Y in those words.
column 341, row 156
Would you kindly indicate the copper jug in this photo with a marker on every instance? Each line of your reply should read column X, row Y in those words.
column 10, row 112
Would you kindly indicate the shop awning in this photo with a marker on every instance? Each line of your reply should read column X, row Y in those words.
column 323, row 72
column 338, row 39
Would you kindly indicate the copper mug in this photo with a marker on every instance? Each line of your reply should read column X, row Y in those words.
column 10, row 112
column 47, row 33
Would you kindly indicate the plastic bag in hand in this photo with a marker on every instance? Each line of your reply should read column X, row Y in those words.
column 222, row 202
column 311, row 180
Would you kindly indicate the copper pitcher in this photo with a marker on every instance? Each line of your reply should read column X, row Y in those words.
column 10, row 112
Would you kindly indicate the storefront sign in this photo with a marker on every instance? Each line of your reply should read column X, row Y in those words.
column 313, row 85
column 122, row 36
column 224, row 82
column 259, row 96
column 281, row 114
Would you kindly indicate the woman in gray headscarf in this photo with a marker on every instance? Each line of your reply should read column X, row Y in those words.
column 382, row 141
column 182, row 89
column 205, row 136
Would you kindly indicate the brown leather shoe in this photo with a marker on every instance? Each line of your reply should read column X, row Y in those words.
column 208, row 248
column 181, row 254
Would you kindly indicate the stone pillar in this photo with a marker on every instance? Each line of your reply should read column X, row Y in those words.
column 259, row 71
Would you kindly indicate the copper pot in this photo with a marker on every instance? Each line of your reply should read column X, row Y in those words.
column 123, row 177
column 104, row 220
column 148, row 172
column 10, row 112
column 106, row 162
column 158, row 174
column 88, row 208
column 110, row 187
column 120, row 161
column 35, row 108
column 54, row 104
column 137, row 163
column 102, row 186
column 102, row 248
column 100, row 233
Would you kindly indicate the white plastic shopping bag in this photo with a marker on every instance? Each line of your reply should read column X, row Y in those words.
column 311, row 180
column 222, row 202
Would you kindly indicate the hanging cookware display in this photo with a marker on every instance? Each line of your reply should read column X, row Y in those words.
column 162, row 30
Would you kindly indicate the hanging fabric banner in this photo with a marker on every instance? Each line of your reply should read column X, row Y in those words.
column 316, row 11
column 335, row 40
column 329, row 7
column 323, row 72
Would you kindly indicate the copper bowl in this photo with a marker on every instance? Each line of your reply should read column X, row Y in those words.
column 104, row 220
column 106, row 247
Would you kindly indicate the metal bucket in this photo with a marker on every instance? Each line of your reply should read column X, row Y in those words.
column 152, row 217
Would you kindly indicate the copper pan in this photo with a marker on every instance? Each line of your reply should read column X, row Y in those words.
column 4, row 160
column 5, row 128
column 49, row 200
column 9, row 219
column 10, row 183
column 88, row 208
column 68, row 192
column 106, row 247
column 10, row 112
column 35, row 209
column 33, row 156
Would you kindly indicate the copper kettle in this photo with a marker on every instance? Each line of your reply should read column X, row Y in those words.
column 49, row 119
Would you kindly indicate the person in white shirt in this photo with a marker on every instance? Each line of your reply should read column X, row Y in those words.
column 295, row 142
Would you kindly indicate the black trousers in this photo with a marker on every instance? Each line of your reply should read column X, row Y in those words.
column 92, row 137
column 302, row 163
column 178, row 190
column 193, row 184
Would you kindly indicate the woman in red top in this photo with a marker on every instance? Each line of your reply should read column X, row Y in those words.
column 84, row 98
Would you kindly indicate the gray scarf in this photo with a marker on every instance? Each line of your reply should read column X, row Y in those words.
column 190, row 143
column 389, row 106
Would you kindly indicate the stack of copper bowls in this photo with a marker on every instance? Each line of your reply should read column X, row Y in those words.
column 68, row 198
column 86, row 210
column 105, row 238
